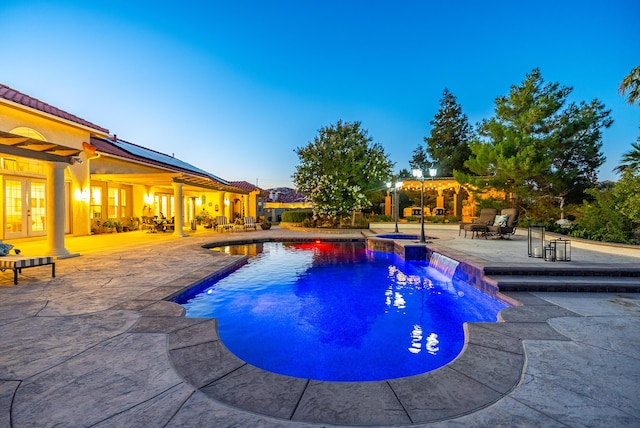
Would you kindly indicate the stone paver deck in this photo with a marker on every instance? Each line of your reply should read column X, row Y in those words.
column 99, row 346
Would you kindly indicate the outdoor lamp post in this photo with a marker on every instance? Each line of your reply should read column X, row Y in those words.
column 394, row 203
column 433, row 172
column 418, row 174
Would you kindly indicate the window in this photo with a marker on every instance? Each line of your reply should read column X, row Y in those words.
column 123, row 203
column 96, row 202
column 112, row 202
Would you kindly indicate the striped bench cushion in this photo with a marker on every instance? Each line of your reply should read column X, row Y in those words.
column 19, row 262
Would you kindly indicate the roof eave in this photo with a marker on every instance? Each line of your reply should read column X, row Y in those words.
column 34, row 111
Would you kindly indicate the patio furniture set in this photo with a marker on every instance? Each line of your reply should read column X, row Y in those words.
column 490, row 223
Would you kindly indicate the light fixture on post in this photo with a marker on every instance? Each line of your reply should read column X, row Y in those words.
column 418, row 174
column 433, row 172
column 394, row 203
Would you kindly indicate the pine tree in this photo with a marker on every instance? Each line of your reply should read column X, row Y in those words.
column 448, row 143
column 538, row 144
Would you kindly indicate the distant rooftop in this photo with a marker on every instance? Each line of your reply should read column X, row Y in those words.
column 284, row 194
column 18, row 97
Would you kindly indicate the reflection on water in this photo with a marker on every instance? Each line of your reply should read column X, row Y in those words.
column 339, row 312
column 240, row 250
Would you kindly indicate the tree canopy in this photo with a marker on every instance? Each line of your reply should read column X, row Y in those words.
column 339, row 167
column 631, row 159
column 420, row 160
column 537, row 143
column 448, row 143
column 630, row 86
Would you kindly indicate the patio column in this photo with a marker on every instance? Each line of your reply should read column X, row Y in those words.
column 387, row 203
column 178, row 218
column 457, row 201
column 440, row 199
column 245, row 200
column 55, row 211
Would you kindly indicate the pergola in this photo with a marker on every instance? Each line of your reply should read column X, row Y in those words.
column 438, row 185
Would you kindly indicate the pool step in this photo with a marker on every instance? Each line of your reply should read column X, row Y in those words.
column 565, row 278
column 567, row 283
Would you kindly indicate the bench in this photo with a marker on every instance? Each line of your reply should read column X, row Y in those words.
column 17, row 263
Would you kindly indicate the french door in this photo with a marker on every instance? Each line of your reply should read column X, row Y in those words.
column 25, row 212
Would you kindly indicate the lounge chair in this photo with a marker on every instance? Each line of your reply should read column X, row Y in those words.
column 505, row 228
column 481, row 224
column 18, row 262
column 222, row 224
column 250, row 223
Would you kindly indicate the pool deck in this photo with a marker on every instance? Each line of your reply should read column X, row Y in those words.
column 99, row 346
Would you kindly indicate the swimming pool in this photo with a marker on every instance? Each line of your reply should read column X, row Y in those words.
column 338, row 312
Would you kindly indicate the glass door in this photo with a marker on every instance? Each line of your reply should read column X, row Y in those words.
column 15, row 211
column 25, row 207
column 37, row 207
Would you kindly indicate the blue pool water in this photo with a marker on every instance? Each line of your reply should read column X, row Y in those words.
column 339, row 312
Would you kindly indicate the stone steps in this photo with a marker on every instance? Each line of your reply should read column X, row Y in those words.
column 565, row 277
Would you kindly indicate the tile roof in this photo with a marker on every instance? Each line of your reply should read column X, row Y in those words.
column 285, row 195
column 127, row 150
column 17, row 97
column 245, row 185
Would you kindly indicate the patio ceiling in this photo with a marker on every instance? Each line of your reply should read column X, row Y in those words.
column 18, row 145
column 166, row 180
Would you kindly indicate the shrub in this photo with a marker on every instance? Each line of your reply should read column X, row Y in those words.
column 296, row 216
column 381, row 218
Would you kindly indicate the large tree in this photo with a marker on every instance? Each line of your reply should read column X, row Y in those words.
column 538, row 144
column 338, row 168
column 448, row 143
column 631, row 84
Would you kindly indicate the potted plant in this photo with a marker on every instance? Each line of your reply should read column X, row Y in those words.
column 108, row 225
column 266, row 224
column 132, row 225
column 118, row 225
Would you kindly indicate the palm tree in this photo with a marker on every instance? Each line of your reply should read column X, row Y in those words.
column 631, row 84
column 630, row 160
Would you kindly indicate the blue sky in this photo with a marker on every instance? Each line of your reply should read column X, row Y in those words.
column 234, row 87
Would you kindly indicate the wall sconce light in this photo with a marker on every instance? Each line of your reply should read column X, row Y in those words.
column 148, row 199
column 198, row 202
column 81, row 195
column 226, row 202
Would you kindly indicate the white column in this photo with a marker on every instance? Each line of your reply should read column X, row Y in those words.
column 55, row 211
column 178, row 218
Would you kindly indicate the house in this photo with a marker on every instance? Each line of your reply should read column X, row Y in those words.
column 256, row 198
column 60, row 174
column 281, row 199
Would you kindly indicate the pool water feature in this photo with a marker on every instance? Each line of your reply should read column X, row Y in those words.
column 443, row 264
column 339, row 312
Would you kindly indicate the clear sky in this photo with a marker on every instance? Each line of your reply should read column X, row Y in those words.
column 234, row 87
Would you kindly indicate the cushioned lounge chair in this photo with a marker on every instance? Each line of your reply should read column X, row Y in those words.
column 506, row 229
column 480, row 224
